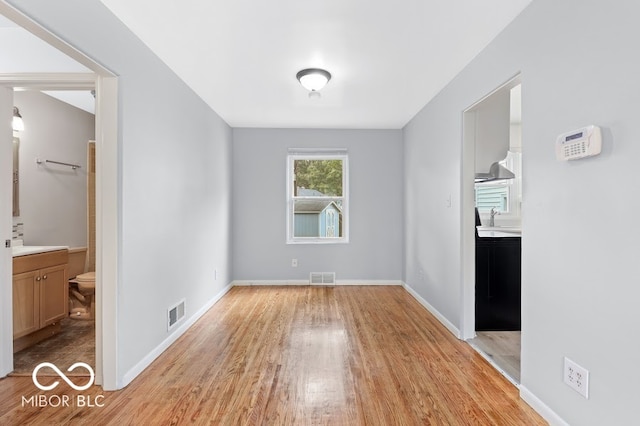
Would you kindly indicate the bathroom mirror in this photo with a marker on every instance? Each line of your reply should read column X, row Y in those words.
column 16, row 177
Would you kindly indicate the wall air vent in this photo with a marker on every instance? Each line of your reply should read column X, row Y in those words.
column 322, row 278
column 175, row 314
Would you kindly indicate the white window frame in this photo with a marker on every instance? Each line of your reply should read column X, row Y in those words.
column 317, row 154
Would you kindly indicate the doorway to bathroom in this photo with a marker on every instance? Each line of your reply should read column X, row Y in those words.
column 92, row 335
column 54, row 206
column 106, row 87
column 491, row 227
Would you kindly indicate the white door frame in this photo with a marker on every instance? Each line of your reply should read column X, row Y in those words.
column 107, row 191
column 467, row 225
column 6, row 287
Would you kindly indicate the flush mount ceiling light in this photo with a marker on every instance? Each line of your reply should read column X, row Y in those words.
column 313, row 79
column 17, row 123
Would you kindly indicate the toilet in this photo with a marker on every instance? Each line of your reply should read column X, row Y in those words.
column 82, row 286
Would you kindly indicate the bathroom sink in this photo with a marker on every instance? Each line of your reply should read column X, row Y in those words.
column 20, row 250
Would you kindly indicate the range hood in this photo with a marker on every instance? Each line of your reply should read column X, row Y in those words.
column 496, row 172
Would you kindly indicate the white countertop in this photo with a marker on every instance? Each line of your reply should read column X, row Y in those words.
column 498, row 232
column 17, row 249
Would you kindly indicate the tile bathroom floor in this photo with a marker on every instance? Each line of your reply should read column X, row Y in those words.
column 75, row 343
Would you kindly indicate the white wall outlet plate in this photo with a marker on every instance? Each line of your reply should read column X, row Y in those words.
column 576, row 377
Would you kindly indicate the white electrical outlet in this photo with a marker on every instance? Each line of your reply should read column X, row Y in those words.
column 576, row 377
column 294, row 263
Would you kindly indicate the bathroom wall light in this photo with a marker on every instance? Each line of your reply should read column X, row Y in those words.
column 17, row 123
column 313, row 79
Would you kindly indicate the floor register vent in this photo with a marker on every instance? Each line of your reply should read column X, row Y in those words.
column 175, row 314
column 322, row 278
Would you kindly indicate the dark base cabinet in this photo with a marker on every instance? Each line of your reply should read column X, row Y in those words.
column 498, row 284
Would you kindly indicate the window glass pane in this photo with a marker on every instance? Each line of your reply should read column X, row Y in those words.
column 492, row 196
column 317, row 218
column 317, row 178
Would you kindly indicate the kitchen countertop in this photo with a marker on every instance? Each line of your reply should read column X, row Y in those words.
column 498, row 232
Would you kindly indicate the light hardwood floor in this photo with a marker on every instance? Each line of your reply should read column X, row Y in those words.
column 300, row 356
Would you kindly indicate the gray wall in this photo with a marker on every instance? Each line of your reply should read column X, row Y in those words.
column 175, row 180
column 374, row 251
column 53, row 198
column 580, row 231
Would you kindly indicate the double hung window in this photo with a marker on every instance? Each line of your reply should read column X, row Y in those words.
column 317, row 196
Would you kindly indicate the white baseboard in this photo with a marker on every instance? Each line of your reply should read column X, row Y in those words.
column 269, row 282
column 452, row 328
column 368, row 282
column 306, row 282
column 155, row 353
column 543, row 409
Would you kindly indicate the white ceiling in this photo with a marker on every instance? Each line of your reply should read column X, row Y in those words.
column 387, row 59
column 78, row 98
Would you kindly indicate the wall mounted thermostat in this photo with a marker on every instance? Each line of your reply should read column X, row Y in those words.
column 584, row 142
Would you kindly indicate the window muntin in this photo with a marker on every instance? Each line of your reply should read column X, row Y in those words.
column 317, row 198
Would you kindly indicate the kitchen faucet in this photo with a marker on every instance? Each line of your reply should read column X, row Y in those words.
column 492, row 220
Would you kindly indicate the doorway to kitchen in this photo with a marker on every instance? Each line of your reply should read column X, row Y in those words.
column 491, row 227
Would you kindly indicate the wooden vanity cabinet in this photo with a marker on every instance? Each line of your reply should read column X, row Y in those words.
column 26, row 304
column 40, row 296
